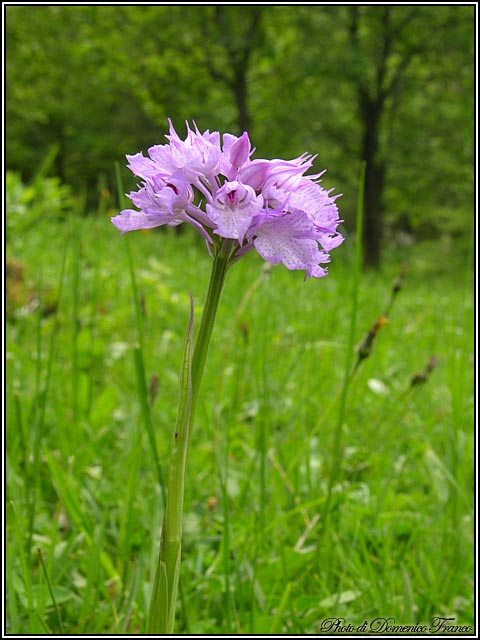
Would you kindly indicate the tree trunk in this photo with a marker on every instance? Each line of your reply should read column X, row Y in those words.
column 241, row 102
column 239, row 38
column 374, row 180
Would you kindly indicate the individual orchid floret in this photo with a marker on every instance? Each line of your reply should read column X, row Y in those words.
column 162, row 200
column 266, row 175
column 196, row 156
column 234, row 209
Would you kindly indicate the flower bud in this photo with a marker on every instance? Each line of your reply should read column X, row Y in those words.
column 240, row 150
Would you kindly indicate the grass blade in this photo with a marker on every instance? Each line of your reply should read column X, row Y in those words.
column 50, row 590
column 337, row 443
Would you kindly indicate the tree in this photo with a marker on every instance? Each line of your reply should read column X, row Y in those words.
column 364, row 83
column 387, row 41
column 65, row 90
column 230, row 37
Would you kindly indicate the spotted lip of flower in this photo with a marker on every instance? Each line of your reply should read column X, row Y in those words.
column 233, row 210
column 291, row 239
column 215, row 186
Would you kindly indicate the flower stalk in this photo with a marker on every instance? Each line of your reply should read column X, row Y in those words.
column 270, row 206
column 161, row 614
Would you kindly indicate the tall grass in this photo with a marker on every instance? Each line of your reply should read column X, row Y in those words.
column 83, row 488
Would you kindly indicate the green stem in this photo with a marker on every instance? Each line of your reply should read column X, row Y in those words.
column 161, row 615
column 220, row 266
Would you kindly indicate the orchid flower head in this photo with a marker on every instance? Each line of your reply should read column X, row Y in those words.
column 212, row 183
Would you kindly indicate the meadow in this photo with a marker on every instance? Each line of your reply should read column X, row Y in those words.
column 306, row 498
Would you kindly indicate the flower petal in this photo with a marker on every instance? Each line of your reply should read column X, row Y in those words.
column 131, row 220
column 291, row 239
column 142, row 167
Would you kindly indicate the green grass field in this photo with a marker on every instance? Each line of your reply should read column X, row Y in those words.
column 262, row 553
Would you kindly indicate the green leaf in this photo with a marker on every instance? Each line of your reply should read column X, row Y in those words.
column 40, row 593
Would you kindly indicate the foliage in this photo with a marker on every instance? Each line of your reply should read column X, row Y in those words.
column 45, row 198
